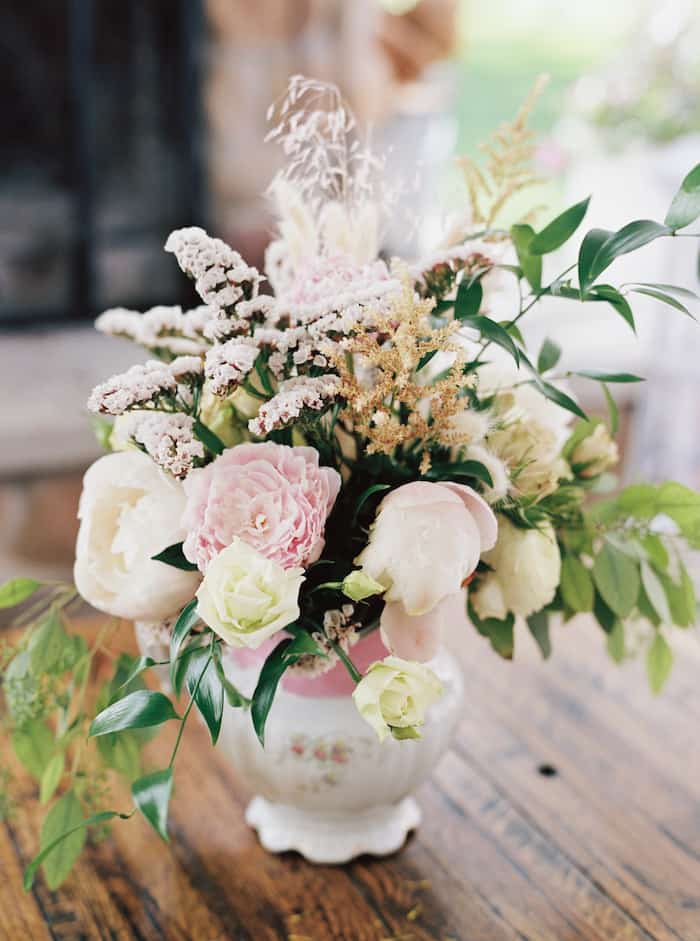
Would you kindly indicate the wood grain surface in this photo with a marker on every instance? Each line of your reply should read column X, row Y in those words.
column 568, row 809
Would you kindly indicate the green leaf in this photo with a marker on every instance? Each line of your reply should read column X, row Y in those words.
column 597, row 252
column 204, row 684
column 51, row 847
column 234, row 697
column 664, row 298
column 121, row 751
column 655, row 593
column 474, row 469
column 16, row 591
column 184, row 624
column 539, row 628
column 425, row 359
column 33, row 743
column 531, row 265
column 685, row 206
column 496, row 334
column 659, row 663
column 591, row 244
column 665, row 288
column 210, row 441
column 138, row 710
column 576, row 584
column 608, row 376
column 613, row 412
column 549, row 356
column 616, row 577
column 136, row 669
column 50, row 779
column 603, row 615
column 559, row 230
column 402, row 734
column 47, row 645
column 616, row 642
column 62, row 824
column 174, row 556
column 152, row 797
column 609, row 294
column 683, row 506
column 469, row 297
column 102, row 429
column 681, row 598
column 560, row 398
column 655, row 550
column 303, row 643
column 270, row 675
column 366, row 494
column 499, row 632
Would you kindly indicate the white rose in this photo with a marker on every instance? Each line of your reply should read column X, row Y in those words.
column 394, row 695
column 526, row 569
column 521, row 400
column 129, row 511
column 532, row 453
column 246, row 598
column 596, row 453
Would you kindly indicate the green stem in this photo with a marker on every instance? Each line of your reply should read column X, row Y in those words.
column 346, row 661
column 187, row 712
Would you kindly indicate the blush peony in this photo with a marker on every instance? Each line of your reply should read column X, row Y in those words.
column 426, row 540
column 273, row 497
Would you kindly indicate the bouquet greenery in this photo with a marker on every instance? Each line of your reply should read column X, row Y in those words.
column 367, row 447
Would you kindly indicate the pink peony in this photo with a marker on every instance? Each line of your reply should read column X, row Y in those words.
column 273, row 497
column 426, row 540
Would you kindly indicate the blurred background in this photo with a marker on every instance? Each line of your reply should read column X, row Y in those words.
column 126, row 119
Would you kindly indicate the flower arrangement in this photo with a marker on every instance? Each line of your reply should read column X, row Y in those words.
column 366, row 448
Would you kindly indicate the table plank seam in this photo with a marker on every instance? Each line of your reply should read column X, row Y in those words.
column 523, row 812
column 496, row 912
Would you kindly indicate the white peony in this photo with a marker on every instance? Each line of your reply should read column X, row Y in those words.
column 526, row 569
column 246, row 598
column 129, row 511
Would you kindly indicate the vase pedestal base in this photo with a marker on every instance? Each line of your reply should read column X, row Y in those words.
column 333, row 837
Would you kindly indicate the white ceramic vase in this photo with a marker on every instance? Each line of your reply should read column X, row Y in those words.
column 324, row 785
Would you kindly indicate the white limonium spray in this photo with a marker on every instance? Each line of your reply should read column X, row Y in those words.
column 170, row 440
column 138, row 387
column 221, row 276
column 227, row 364
column 294, row 396
column 164, row 330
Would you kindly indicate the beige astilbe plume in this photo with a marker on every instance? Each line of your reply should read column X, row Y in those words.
column 396, row 408
column 508, row 167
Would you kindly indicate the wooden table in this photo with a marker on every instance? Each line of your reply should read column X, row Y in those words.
column 569, row 809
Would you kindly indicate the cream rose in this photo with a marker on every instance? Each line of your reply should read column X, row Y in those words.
column 426, row 540
column 129, row 511
column 596, row 453
column 526, row 568
column 246, row 598
column 393, row 696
